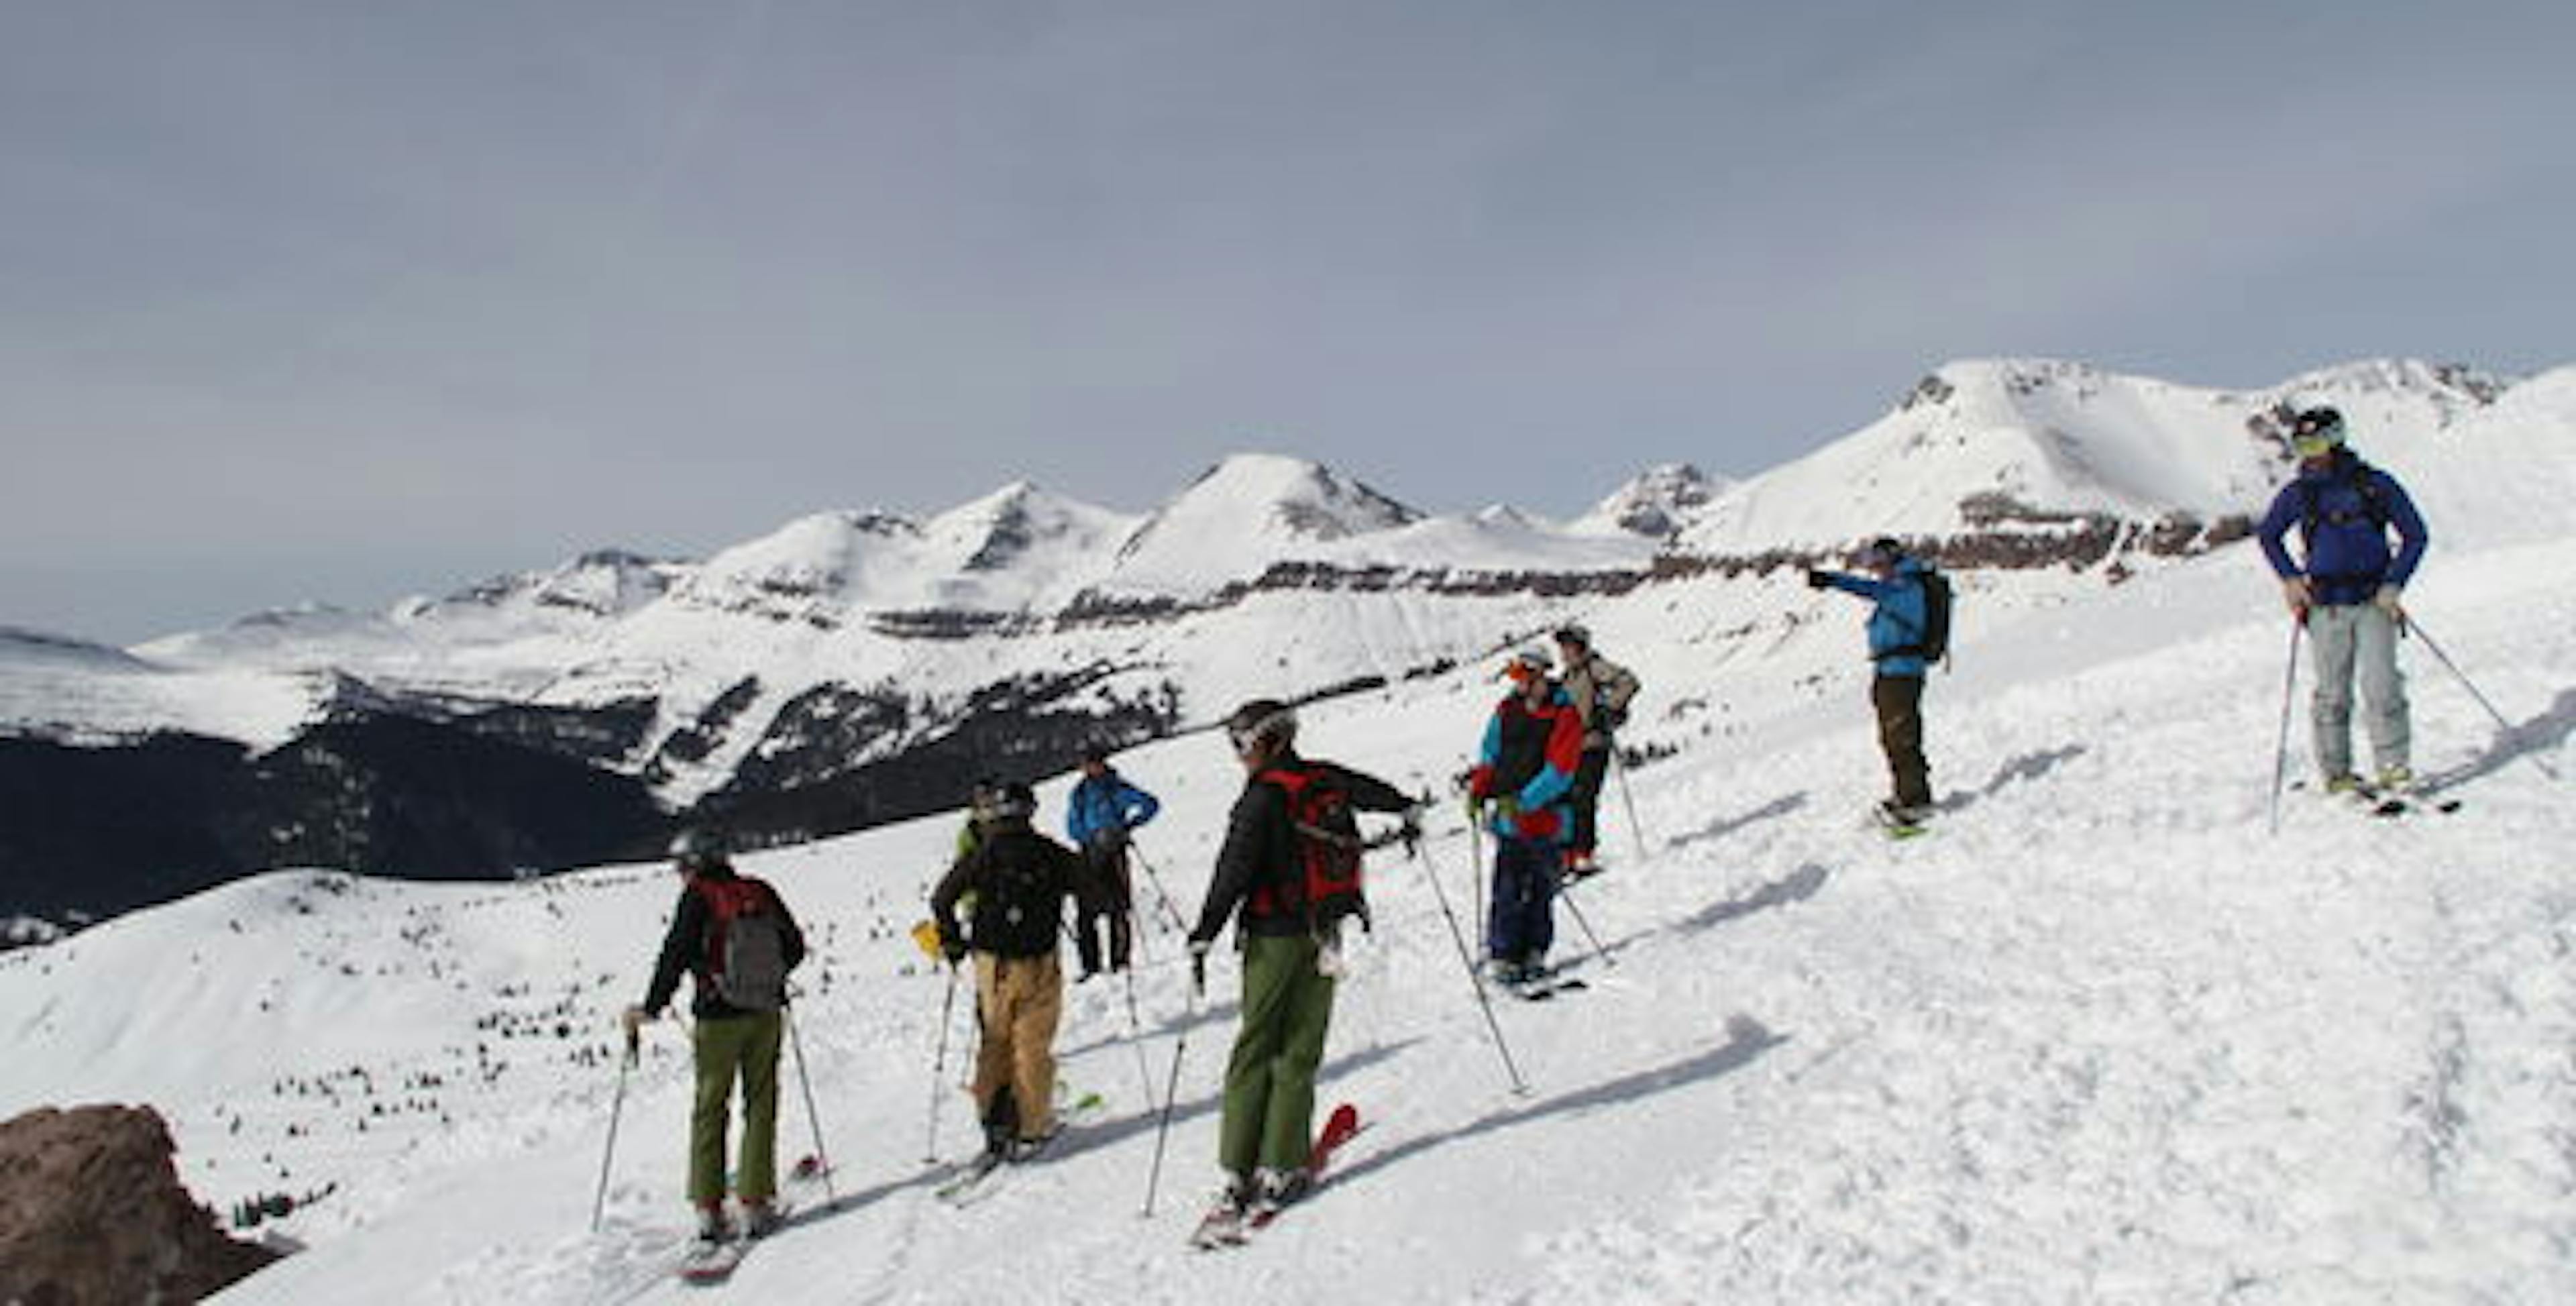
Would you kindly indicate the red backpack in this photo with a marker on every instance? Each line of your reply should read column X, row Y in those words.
column 746, row 944
column 1325, row 884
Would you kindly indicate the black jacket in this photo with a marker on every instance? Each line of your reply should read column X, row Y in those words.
column 1020, row 879
column 1261, row 849
column 684, row 950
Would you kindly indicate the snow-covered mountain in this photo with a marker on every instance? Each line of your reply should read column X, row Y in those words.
column 2100, row 1036
column 858, row 666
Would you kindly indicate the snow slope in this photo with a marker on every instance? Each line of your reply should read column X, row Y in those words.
column 2098, row 1037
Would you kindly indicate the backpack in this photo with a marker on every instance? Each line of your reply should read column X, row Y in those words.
column 1324, row 886
column 1019, row 892
column 2366, row 482
column 746, row 944
column 1934, row 644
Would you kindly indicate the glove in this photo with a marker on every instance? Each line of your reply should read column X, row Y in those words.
column 951, row 946
column 1475, row 808
column 632, row 1021
column 1817, row 580
column 1198, row 966
column 1507, row 809
column 2295, row 593
column 2387, row 601
column 1614, row 718
column 1410, row 832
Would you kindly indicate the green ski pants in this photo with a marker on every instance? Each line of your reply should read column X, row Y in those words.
column 1270, row 1082
column 728, row 1047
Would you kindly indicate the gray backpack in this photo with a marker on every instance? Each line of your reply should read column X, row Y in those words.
column 747, row 944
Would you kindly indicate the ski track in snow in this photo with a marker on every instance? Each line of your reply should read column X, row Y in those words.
column 2098, row 1037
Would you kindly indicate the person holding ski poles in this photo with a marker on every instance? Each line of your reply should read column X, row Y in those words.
column 2348, row 594
column 735, row 938
column 1521, row 789
column 1601, row 690
column 1098, row 817
column 1019, row 880
column 1291, row 822
column 1899, row 623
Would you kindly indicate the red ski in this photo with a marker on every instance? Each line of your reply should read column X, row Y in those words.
column 1338, row 1129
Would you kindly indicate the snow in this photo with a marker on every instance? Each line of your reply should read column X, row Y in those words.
column 2098, row 1037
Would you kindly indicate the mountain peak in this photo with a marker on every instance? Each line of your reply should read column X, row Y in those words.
column 1657, row 502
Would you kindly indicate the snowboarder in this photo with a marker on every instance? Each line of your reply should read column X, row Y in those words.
column 1098, row 817
column 2348, row 594
column 1290, row 957
column 1019, row 880
column 1521, row 789
column 735, row 938
column 1899, row 623
column 1601, row 690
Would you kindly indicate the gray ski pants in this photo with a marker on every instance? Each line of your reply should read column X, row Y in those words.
column 2346, row 640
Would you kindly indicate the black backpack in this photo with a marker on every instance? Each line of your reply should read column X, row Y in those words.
column 1324, row 886
column 1934, row 644
column 746, row 944
column 1019, row 892
column 2366, row 482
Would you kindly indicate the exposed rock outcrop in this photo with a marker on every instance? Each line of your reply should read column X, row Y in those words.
column 92, row 1211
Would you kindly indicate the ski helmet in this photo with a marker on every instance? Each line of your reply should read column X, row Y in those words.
column 1573, row 633
column 2316, row 432
column 697, row 848
column 1527, row 665
column 1014, row 802
column 1261, row 720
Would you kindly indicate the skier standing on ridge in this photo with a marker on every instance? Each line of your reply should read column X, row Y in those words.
column 1521, row 788
column 1601, row 690
column 734, row 937
column 1263, row 882
column 1103, row 808
column 2348, row 594
column 1019, row 880
column 1900, row 623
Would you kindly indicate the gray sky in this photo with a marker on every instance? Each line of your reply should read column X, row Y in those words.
column 339, row 302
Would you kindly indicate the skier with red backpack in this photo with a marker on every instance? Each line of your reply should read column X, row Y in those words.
column 735, row 938
column 1287, row 876
column 1522, row 789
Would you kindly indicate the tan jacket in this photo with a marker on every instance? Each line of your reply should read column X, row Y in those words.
column 1600, row 689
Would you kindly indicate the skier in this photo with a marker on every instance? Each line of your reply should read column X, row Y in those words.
column 735, row 938
column 1019, row 880
column 2348, row 594
column 1521, row 788
column 1601, row 690
column 1098, row 816
column 1289, row 952
column 1899, row 622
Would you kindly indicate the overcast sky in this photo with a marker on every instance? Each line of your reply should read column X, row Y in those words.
column 344, row 302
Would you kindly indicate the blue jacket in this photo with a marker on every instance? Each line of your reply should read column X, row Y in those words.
column 1898, row 619
column 2345, row 542
column 1106, row 803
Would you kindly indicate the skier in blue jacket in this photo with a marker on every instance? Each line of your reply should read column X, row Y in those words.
column 2348, row 593
column 1899, row 621
column 1098, row 818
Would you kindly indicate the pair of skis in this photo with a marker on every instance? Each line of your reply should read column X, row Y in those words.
column 711, row 1262
column 1230, row 1227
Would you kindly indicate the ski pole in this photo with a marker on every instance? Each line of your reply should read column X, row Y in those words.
column 2281, row 749
column 939, row 1068
column 2510, row 730
column 796, row 1042
column 1136, row 1039
column 1566, row 891
column 599, row 1204
column 1619, row 763
column 1459, row 937
column 1171, row 1096
column 1170, row 908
